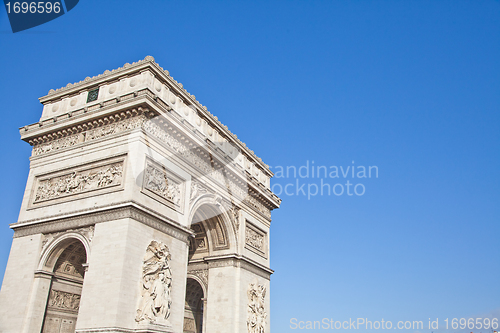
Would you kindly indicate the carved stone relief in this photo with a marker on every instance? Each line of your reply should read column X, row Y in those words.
column 197, row 190
column 64, row 300
column 87, row 232
column 117, row 125
column 200, row 244
column 255, row 239
column 234, row 212
column 156, row 300
column 78, row 181
column 258, row 205
column 202, row 274
column 256, row 313
column 162, row 183
column 85, row 135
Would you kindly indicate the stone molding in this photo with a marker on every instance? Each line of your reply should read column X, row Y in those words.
column 163, row 185
column 105, row 175
column 255, row 239
column 92, row 130
column 65, row 134
column 249, row 199
column 241, row 262
column 130, row 210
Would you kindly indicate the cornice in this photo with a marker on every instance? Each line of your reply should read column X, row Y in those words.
column 90, row 217
column 233, row 260
column 92, row 118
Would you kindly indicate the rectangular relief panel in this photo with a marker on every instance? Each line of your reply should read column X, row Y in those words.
column 163, row 185
column 90, row 179
column 255, row 239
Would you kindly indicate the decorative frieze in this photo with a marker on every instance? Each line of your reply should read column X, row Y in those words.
column 258, row 205
column 154, row 129
column 156, row 180
column 64, row 300
column 161, row 183
column 92, row 131
column 87, row 217
column 256, row 313
column 80, row 180
column 156, row 285
column 255, row 239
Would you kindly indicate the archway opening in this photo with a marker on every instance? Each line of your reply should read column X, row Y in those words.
column 194, row 306
column 198, row 246
column 211, row 232
column 63, row 300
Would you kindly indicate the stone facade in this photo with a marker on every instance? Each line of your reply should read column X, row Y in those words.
column 142, row 213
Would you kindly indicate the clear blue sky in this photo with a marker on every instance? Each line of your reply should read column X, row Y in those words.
column 412, row 87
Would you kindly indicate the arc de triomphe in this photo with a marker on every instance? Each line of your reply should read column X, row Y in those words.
column 142, row 213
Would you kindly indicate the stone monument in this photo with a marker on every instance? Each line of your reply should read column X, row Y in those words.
column 142, row 213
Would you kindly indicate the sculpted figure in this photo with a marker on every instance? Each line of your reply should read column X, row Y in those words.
column 155, row 302
column 256, row 319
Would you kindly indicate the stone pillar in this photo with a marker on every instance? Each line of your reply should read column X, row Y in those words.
column 37, row 303
column 204, row 326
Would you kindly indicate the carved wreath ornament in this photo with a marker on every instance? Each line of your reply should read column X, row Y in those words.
column 155, row 302
column 256, row 317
